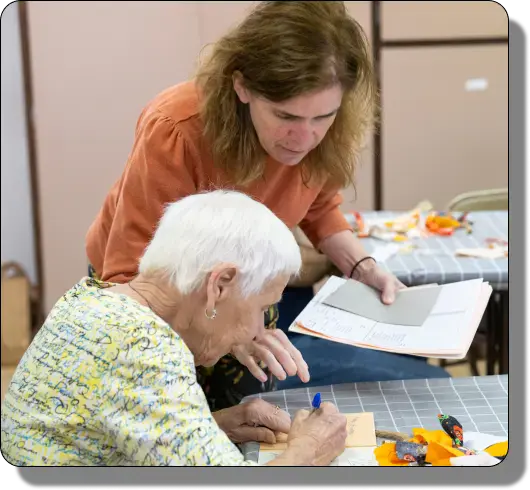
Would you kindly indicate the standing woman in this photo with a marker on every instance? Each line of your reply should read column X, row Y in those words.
column 278, row 111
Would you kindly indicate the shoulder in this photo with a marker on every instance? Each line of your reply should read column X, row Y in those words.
column 178, row 105
column 118, row 330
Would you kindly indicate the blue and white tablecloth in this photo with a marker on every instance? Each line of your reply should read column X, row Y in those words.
column 435, row 260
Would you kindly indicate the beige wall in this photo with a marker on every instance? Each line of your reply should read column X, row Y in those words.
column 445, row 123
column 362, row 196
column 442, row 19
column 96, row 64
column 445, row 108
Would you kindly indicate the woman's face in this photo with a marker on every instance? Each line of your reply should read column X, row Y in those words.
column 289, row 130
column 237, row 321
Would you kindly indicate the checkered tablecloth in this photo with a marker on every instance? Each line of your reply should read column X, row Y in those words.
column 436, row 262
column 479, row 403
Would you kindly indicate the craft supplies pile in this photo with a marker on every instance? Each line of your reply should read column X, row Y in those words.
column 419, row 222
column 423, row 222
column 367, row 446
column 442, row 447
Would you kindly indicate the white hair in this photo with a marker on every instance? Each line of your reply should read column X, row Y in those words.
column 200, row 231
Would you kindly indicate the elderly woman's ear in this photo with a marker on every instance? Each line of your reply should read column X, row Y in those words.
column 221, row 284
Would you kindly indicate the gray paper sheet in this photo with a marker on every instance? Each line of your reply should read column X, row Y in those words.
column 411, row 307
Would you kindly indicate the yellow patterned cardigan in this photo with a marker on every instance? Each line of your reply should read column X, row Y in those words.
column 107, row 382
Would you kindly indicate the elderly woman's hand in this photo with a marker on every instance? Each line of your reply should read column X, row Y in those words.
column 315, row 438
column 255, row 420
column 275, row 350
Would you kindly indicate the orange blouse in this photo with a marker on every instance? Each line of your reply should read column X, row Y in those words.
column 170, row 159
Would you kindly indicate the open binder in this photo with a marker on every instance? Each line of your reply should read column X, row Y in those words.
column 447, row 331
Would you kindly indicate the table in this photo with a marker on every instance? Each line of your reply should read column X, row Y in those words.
column 479, row 403
column 435, row 262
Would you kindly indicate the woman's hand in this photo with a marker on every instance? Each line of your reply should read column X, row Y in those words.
column 255, row 420
column 345, row 251
column 275, row 350
column 379, row 279
column 316, row 438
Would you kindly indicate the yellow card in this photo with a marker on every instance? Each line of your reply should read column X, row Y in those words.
column 360, row 429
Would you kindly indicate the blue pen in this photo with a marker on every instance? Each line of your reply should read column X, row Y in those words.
column 316, row 402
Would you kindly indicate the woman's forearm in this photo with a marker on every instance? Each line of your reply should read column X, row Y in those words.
column 345, row 250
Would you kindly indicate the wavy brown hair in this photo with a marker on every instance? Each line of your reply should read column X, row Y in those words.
column 284, row 49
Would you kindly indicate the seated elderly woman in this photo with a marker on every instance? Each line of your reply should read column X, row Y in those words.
column 110, row 380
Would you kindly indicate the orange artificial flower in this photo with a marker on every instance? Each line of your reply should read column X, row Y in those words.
column 423, row 436
column 440, row 454
column 439, row 449
column 498, row 450
column 386, row 455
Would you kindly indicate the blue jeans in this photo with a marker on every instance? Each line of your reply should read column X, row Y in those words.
column 334, row 363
